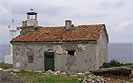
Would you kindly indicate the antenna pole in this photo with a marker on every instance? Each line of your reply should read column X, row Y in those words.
column 13, row 19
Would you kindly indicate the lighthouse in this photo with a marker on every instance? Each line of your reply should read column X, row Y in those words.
column 12, row 29
column 13, row 34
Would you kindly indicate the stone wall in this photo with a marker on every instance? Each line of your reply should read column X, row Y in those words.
column 84, row 58
column 102, row 49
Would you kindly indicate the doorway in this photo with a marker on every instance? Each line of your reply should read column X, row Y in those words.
column 49, row 61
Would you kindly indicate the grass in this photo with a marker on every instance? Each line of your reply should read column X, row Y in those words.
column 5, row 66
column 35, row 77
column 32, row 77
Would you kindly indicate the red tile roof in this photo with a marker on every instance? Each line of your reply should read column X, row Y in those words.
column 57, row 34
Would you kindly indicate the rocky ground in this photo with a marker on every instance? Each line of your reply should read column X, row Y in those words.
column 86, row 77
column 7, row 78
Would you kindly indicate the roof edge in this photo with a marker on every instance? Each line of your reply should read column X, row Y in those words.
column 106, row 33
column 92, row 41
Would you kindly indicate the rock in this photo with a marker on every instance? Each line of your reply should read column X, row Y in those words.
column 29, row 70
column 14, row 74
column 38, row 71
column 11, row 72
column 93, row 79
column 16, row 70
column 63, row 74
column 49, row 72
column 87, row 73
column 99, row 79
column 57, row 72
column 79, row 79
column 87, row 80
column 79, row 73
column 73, row 75
column 8, row 70
column 1, row 69
column 90, row 76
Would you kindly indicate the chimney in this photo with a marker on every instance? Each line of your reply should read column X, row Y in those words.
column 68, row 24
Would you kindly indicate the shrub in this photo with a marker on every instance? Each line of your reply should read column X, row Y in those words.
column 114, row 63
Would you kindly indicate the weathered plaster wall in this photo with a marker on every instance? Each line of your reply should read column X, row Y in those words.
column 83, row 60
column 102, row 49
column 20, row 56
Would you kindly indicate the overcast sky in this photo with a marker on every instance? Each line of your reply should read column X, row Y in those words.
column 117, row 15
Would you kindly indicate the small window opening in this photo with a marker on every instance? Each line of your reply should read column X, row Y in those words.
column 30, row 59
column 71, row 52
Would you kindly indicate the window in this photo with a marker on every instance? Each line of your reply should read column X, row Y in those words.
column 71, row 59
column 30, row 56
column 71, row 52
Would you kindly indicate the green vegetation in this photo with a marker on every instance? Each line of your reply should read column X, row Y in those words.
column 114, row 63
column 32, row 77
column 35, row 77
column 5, row 66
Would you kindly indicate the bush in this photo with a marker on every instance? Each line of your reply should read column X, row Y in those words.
column 114, row 63
column 105, row 65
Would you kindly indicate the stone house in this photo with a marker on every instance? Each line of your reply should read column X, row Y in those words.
column 65, row 48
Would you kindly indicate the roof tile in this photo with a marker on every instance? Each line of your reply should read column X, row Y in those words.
column 56, row 34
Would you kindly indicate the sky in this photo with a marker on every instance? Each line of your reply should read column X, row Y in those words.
column 117, row 15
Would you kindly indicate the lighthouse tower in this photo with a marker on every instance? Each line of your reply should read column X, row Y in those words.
column 31, row 24
column 12, row 29
column 32, row 18
column 13, row 33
